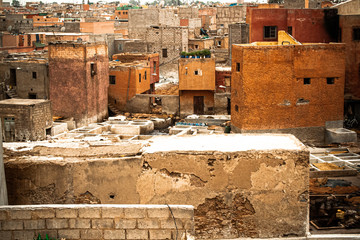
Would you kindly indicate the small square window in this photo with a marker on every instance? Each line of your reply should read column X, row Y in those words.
column 196, row 46
column 270, row 32
column 112, row 80
column 289, row 30
column 164, row 53
column 238, row 67
column 196, row 72
column 34, row 75
column 237, row 108
column 330, row 80
column 307, row 81
column 356, row 34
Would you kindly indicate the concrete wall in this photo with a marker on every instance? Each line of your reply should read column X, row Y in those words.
column 269, row 88
column 96, row 222
column 141, row 103
column 75, row 90
column 229, row 15
column 187, row 101
column 239, row 185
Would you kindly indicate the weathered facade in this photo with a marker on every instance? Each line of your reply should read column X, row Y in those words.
column 79, row 80
column 239, row 185
column 25, row 119
column 288, row 88
column 229, row 15
column 238, row 34
column 196, row 85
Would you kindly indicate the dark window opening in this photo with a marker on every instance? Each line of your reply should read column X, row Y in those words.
column 196, row 46
column 112, row 79
column 120, row 47
column 145, row 75
column 196, row 72
column 307, row 81
column 32, row 95
column 289, row 30
column 238, row 67
column 356, row 34
column 34, row 75
column 270, row 32
column 219, row 43
column 154, row 63
column 330, row 80
column 164, row 53
column 29, row 40
column 237, row 108
column 93, row 69
column 48, row 131
column 139, row 77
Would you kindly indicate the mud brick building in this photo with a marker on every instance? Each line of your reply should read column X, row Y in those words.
column 25, row 119
column 294, row 88
column 196, row 85
column 238, row 34
column 229, row 15
column 79, row 80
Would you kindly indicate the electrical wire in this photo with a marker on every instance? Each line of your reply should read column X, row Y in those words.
column 174, row 220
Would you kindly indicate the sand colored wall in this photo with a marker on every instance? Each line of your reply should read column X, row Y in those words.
column 205, row 80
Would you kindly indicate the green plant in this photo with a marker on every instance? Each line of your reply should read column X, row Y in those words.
column 183, row 53
column 46, row 238
column 206, row 52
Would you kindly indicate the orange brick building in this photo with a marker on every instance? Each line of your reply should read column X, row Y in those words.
column 196, row 85
column 39, row 21
column 293, row 88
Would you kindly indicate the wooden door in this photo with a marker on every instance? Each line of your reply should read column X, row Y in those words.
column 199, row 105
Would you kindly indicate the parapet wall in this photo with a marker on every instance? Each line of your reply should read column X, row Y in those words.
column 96, row 221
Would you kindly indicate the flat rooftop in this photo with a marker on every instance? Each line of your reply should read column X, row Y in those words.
column 19, row 101
column 223, row 143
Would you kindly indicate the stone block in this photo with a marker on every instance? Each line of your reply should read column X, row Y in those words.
column 22, row 235
column 12, row 225
column 182, row 213
column 114, row 234
column 5, row 234
column 148, row 223
column 170, row 224
column 43, row 213
column 125, row 223
column 79, row 223
column 160, row 234
column 34, row 224
column 43, row 233
column 340, row 135
column 134, row 213
column 89, row 213
column 57, row 223
column 20, row 214
column 69, row 234
column 66, row 213
column 102, row 223
column 158, row 213
column 91, row 234
column 136, row 234
column 3, row 215
column 112, row 212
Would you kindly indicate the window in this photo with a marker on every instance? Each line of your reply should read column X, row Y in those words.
column 112, row 79
column 120, row 47
column 196, row 72
column 289, row 30
column 29, row 40
column 145, row 75
column 238, row 67
column 139, row 77
column 270, row 32
column 154, row 65
column 32, row 95
column 307, row 81
column 164, row 53
column 330, row 80
column 219, row 43
column 196, row 46
column 34, row 75
column 237, row 108
column 356, row 34
column 93, row 69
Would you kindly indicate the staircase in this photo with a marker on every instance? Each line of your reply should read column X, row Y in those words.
column 12, row 93
column 114, row 109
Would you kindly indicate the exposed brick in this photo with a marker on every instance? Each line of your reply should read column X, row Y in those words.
column 34, row 224
column 125, row 223
column 102, row 223
column 12, row 225
column 134, row 213
column 158, row 213
column 20, row 214
column 79, row 223
column 160, row 234
column 89, row 213
column 148, row 223
column 136, row 234
column 112, row 212
column 170, row 224
column 69, row 234
column 5, row 235
column 66, row 213
column 91, row 234
column 3, row 215
column 114, row 234
column 57, row 223
column 23, row 235
column 43, row 213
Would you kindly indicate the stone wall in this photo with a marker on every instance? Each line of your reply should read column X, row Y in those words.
column 229, row 15
column 96, row 221
column 238, row 34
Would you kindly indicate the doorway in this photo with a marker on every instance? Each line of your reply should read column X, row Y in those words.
column 9, row 129
column 199, row 105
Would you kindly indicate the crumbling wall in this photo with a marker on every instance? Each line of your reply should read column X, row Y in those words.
column 96, row 222
column 229, row 15
column 238, row 34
